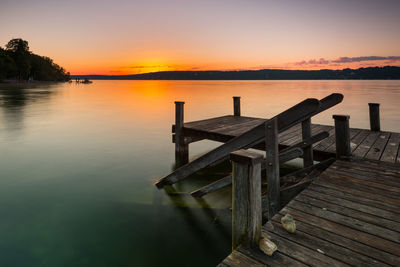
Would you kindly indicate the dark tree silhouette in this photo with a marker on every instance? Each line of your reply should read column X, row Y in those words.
column 16, row 61
column 17, row 45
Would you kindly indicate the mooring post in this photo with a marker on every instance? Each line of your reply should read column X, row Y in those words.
column 308, row 159
column 246, row 198
column 342, row 132
column 374, row 119
column 272, row 170
column 236, row 105
column 181, row 148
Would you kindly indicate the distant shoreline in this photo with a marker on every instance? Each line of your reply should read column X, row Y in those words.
column 371, row 73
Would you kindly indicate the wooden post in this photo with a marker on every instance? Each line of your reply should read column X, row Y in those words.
column 342, row 132
column 246, row 198
column 374, row 119
column 308, row 159
column 272, row 168
column 236, row 105
column 181, row 149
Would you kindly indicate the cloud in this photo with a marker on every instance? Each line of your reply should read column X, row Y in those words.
column 320, row 61
column 342, row 60
column 360, row 59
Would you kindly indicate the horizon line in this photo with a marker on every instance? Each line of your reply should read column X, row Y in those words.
column 232, row 70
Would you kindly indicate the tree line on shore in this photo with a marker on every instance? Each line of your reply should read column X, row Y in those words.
column 370, row 73
column 18, row 63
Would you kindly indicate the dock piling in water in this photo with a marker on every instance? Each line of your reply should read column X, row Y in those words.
column 236, row 105
column 181, row 147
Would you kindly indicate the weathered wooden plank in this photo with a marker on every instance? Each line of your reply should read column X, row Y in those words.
column 353, row 134
column 379, row 146
column 324, row 144
column 285, row 120
column 303, row 254
column 314, row 139
column 294, row 136
column 392, row 148
column 348, row 232
column 227, row 121
column 367, row 174
column 317, row 244
column 385, row 168
column 357, row 140
column 356, row 224
column 363, row 184
column 377, row 256
column 353, row 195
column 221, row 183
column 340, row 201
column 365, row 145
column 277, row 259
column 238, row 259
column 350, row 213
column 238, row 129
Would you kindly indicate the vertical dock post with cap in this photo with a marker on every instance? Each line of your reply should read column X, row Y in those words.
column 246, row 198
column 181, row 148
column 342, row 132
column 374, row 118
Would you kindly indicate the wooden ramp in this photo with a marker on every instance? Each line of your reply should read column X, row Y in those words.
column 349, row 215
column 377, row 145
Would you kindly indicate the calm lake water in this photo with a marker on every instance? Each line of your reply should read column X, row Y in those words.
column 78, row 162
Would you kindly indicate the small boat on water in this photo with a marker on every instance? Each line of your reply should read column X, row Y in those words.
column 86, row 81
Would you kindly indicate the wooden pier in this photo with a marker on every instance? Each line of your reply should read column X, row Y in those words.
column 346, row 207
column 349, row 215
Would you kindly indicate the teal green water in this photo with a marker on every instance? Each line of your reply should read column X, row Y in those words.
column 78, row 162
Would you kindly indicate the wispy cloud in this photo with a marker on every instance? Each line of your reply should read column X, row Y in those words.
column 360, row 59
column 343, row 60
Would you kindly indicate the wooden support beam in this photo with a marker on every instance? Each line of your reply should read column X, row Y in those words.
column 181, row 148
column 227, row 180
column 342, row 132
column 272, row 168
column 298, row 181
column 308, row 159
column 374, row 118
column 236, row 105
column 285, row 120
column 246, row 199
column 305, row 143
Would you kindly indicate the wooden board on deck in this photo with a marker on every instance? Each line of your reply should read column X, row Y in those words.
column 350, row 215
column 382, row 146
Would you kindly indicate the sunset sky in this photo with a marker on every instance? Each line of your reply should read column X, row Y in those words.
column 132, row 36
